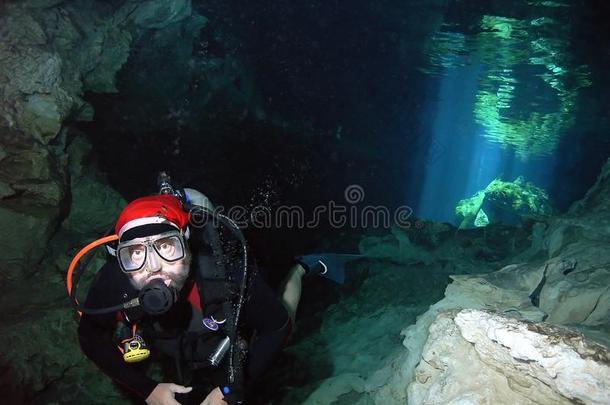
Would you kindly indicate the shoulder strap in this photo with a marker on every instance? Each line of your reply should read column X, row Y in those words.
column 219, row 287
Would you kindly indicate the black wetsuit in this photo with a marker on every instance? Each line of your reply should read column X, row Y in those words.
column 263, row 315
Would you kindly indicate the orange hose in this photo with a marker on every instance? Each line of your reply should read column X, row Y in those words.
column 83, row 252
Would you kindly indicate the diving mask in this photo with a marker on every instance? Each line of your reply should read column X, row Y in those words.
column 134, row 254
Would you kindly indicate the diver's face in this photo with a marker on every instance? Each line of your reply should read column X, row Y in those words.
column 172, row 274
column 155, row 264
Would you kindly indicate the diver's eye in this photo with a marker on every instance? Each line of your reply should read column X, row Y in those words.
column 167, row 247
column 137, row 254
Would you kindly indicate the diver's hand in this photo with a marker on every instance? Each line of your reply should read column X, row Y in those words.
column 163, row 394
column 214, row 398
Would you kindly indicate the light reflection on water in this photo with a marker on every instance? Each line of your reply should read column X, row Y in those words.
column 528, row 83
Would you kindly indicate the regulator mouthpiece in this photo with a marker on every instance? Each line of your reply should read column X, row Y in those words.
column 156, row 298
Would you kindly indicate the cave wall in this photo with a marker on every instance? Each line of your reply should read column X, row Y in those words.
column 56, row 54
column 53, row 197
column 51, row 52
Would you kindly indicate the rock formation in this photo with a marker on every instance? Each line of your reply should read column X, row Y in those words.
column 561, row 280
column 535, row 330
column 503, row 202
column 51, row 53
column 476, row 357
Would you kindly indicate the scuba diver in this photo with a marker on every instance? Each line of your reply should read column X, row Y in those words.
column 178, row 285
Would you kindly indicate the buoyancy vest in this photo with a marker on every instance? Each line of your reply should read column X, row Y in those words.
column 218, row 283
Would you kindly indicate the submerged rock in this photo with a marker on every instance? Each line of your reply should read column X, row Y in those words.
column 562, row 279
column 467, row 210
column 503, row 202
column 477, row 356
column 52, row 52
column 156, row 13
column 486, row 340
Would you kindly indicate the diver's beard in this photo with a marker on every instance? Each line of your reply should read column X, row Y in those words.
column 176, row 281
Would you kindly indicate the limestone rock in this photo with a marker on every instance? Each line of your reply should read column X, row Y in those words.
column 85, row 113
column 155, row 13
column 382, row 247
column 503, row 202
column 399, row 247
column 43, row 316
column 331, row 389
column 42, row 116
column 47, row 55
column 576, row 289
column 31, row 70
column 467, row 210
column 586, row 220
column 111, row 50
column 46, row 349
column 33, row 163
column 35, row 103
column 33, row 173
column 6, row 190
column 21, row 231
column 475, row 291
column 535, row 292
column 42, row 3
column 20, row 29
column 563, row 278
column 506, row 290
column 596, row 200
column 483, row 357
column 31, row 217
column 50, row 53
column 94, row 205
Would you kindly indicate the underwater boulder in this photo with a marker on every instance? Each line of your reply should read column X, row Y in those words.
column 156, row 14
column 509, row 202
column 486, row 357
column 568, row 290
column 503, row 202
column 587, row 219
column 468, row 209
